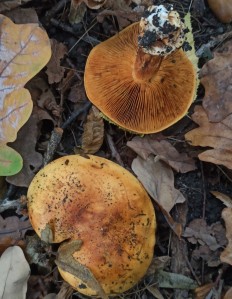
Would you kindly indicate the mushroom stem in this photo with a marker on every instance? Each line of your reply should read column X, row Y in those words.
column 145, row 66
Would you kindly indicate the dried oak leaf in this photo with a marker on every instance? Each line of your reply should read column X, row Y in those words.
column 158, row 180
column 14, row 272
column 217, row 80
column 13, row 227
column 218, row 136
column 93, row 135
column 226, row 255
column 144, row 146
column 54, row 70
column 199, row 232
column 24, row 50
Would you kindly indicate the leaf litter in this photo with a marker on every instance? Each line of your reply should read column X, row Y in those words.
column 198, row 247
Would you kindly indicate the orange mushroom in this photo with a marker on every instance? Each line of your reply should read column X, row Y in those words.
column 140, row 78
column 104, row 218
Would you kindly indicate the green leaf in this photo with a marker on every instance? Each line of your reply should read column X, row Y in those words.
column 174, row 281
column 10, row 161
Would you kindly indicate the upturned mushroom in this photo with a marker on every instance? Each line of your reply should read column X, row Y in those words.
column 104, row 218
column 141, row 79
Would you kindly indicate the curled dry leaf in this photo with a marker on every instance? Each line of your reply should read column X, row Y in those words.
column 226, row 256
column 158, row 180
column 217, row 80
column 224, row 198
column 14, row 272
column 22, row 55
column 217, row 135
column 144, row 146
column 93, row 135
column 54, row 70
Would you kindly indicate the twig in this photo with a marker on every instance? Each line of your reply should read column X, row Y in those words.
column 75, row 114
column 203, row 216
column 113, row 149
column 83, row 35
column 52, row 145
column 65, row 27
column 56, row 8
column 192, row 271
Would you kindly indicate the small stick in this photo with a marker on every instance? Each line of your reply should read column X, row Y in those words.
column 65, row 27
column 56, row 136
column 75, row 114
column 113, row 149
column 56, row 8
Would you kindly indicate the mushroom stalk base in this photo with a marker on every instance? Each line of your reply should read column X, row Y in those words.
column 145, row 66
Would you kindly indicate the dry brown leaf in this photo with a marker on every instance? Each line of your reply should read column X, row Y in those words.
column 217, row 80
column 8, row 5
column 224, row 198
column 93, row 135
column 218, row 136
column 202, row 291
column 158, row 180
column 14, row 228
column 144, row 146
column 23, row 15
column 199, row 232
column 228, row 294
column 14, row 272
column 54, row 70
column 43, row 97
column 226, row 255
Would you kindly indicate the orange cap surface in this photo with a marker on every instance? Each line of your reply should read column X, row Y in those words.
column 105, row 207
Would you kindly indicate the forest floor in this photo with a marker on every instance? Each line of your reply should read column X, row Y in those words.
column 58, row 91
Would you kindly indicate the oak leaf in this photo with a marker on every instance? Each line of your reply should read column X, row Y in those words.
column 24, row 51
column 217, row 80
column 158, row 180
column 164, row 151
column 216, row 135
column 54, row 70
column 14, row 272
column 93, row 135
column 226, row 255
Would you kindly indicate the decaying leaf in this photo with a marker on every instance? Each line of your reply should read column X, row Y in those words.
column 199, row 232
column 22, row 15
column 224, row 198
column 14, row 272
column 158, row 180
column 174, row 280
column 54, row 70
column 218, row 136
column 144, row 146
column 226, row 256
column 228, row 294
column 68, row 263
column 202, row 291
column 10, row 161
column 217, row 80
column 8, row 5
column 93, row 135
column 14, row 228
column 24, row 50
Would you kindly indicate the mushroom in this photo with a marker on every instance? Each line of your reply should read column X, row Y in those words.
column 141, row 79
column 222, row 9
column 103, row 216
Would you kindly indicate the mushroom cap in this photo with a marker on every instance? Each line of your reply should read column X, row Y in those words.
column 139, row 106
column 103, row 205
